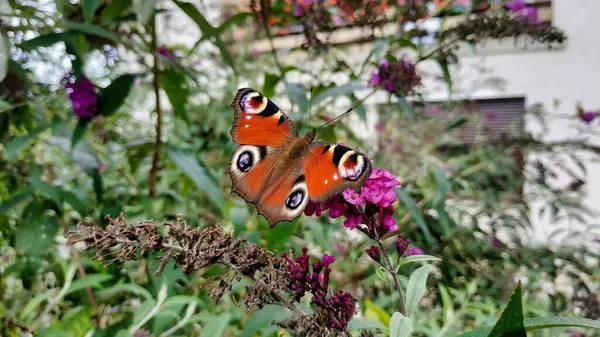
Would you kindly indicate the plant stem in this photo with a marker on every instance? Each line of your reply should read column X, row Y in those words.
column 388, row 266
column 158, row 142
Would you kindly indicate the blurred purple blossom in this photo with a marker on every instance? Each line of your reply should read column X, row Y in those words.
column 83, row 95
column 414, row 251
column 520, row 8
column 497, row 243
column 166, row 52
column 589, row 116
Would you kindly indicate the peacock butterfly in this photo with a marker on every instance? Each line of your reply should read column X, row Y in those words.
column 279, row 171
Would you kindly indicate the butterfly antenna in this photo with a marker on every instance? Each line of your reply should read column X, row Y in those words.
column 338, row 117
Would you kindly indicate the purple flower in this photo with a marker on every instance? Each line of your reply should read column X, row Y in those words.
column 299, row 11
column 83, row 96
column 166, row 52
column 353, row 197
column 497, row 243
column 352, row 221
column 338, row 308
column 414, row 251
column 516, row 5
column 588, row 116
column 374, row 253
column 396, row 77
column 390, row 223
column 401, row 245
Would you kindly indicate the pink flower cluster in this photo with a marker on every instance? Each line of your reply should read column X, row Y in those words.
column 520, row 9
column 371, row 207
column 338, row 308
column 83, row 96
column 399, row 77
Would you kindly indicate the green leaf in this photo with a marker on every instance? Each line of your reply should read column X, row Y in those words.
column 510, row 323
column 404, row 42
column 46, row 40
column 98, row 184
column 411, row 205
column 92, row 280
column 36, row 230
column 298, row 95
column 239, row 216
column 32, row 305
column 345, row 89
column 122, row 288
column 446, row 74
column 400, row 326
column 417, row 258
column 4, row 56
column 89, row 8
column 174, row 85
column 18, row 142
column 144, row 9
column 271, row 81
column 113, row 96
column 91, row 30
column 79, row 132
column 48, row 190
column 264, row 318
column 375, row 312
column 381, row 273
column 216, row 326
column 16, row 198
column 407, row 109
column 532, row 324
column 416, row 288
column 376, row 52
column 200, row 175
column 447, row 306
column 208, row 31
column 362, row 323
column 443, row 186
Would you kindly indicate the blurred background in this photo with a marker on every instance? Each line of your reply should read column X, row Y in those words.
column 485, row 111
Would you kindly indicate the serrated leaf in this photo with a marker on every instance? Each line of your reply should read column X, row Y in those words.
column 89, row 8
column 417, row 258
column 200, row 175
column 415, row 289
column 510, row 322
column 144, row 9
column 113, row 96
column 361, row 323
column 400, row 326
column 412, row 207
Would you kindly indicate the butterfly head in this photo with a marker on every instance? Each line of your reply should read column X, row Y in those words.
column 310, row 136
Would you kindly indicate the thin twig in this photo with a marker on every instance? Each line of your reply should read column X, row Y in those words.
column 387, row 265
column 158, row 142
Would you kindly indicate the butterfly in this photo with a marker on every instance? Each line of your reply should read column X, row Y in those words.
column 278, row 170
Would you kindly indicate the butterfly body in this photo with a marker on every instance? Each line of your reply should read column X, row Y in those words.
column 279, row 171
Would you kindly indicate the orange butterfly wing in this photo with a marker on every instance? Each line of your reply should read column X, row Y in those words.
column 329, row 169
column 258, row 121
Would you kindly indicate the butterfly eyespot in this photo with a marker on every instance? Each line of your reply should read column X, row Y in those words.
column 352, row 166
column 295, row 199
column 253, row 103
column 245, row 161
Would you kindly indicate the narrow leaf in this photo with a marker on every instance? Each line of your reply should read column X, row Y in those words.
column 510, row 322
column 113, row 96
column 200, row 175
column 446, row 74
column 46, row 40
column 411, row 205
column 79, row 132
column 416, row 288
column 89, row 8
column 407, row 109
column 91, row 29
column 362, row 323
column 264, row 318
column 298, row 95
column 443, row 186
column 532, row 324
column 345, row 89
column 175, row 87
column 92, row 280
column 144, row 9
column 400, row 326
column 417, row 258
column 216, row 326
